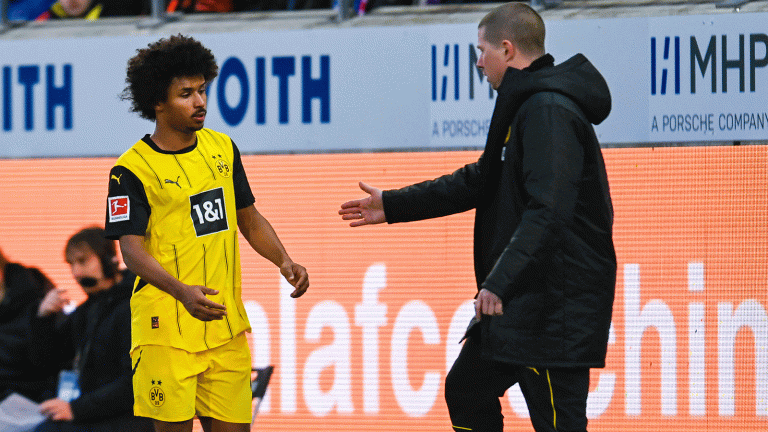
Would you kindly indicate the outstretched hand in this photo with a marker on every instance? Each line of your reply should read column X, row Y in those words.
column 199, row 306
column 364, row 211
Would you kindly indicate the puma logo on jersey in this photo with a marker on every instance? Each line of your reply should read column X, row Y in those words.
column 174, row 182
column 117, row 178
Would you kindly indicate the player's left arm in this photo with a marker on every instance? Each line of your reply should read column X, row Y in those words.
column 263, row 239
column 258, row 231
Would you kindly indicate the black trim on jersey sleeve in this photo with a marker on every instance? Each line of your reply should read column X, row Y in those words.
column 243, row 195
column 124, row 183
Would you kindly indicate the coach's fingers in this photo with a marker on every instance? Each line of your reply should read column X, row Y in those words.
column 487, row 303
column 497, row 307
column 353, row 206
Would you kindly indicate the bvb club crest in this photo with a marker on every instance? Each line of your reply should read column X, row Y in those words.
column 156, row 395
column 221, row 166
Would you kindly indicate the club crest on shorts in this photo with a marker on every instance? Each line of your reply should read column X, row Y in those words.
column 156, row 394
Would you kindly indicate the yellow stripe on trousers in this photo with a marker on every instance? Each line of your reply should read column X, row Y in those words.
column 552, row 400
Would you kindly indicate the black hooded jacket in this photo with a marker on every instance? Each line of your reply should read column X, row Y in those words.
column 18, row 372
column 543, row 222
column 96, row 339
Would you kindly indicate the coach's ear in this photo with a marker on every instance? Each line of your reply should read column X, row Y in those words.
column 510, row 50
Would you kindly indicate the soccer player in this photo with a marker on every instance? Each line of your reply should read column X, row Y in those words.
column 177, row 199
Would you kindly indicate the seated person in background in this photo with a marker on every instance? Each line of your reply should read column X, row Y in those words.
column 94, row 9
column 191, row 6
column 93, row 342
column 44, row 283
column 20, row 295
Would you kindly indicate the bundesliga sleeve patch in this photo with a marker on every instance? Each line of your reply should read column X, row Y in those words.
column 119, row 208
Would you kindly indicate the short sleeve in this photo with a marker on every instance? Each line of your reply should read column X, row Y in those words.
column 128, row 209
column 243, row 194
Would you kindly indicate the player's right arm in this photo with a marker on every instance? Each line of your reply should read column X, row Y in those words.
column 144, row 265
column 128, row 213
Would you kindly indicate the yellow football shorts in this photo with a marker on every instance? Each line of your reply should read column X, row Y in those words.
column 173, row 385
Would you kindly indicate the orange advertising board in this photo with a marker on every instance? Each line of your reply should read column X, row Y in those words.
column 368, row 346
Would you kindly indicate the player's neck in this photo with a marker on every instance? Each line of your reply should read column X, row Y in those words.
column 169, row 139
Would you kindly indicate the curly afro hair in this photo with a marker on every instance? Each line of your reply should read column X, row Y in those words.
column 152, row 69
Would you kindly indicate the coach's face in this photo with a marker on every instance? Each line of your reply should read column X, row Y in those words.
column 492, row 59
column 184, row 109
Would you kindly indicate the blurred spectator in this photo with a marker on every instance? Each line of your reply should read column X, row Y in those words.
column 94, row 9
column 20, row 295
column 44, row 283
column 190, row 6
column 91, row 344
column 271, row 5
column 27, row 10
column 361, row 7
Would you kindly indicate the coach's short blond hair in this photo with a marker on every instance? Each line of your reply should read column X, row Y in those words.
column 517, row 23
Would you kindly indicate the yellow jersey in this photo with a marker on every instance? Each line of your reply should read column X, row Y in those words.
column 184, row 204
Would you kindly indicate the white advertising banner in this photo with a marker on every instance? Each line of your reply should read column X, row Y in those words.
column 673, row 79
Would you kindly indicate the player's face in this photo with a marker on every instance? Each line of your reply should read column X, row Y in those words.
column 185, row 107
column 492, row 59
column 86, row 269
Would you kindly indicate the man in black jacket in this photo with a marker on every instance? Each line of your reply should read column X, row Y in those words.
column 93, row 342
column 544, row 258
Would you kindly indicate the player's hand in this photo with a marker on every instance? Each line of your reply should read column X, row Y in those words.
column 199, row 306
column 487, row 303
column 53, row 302
column 297, row 276
column 364, row 211
column 57, row 410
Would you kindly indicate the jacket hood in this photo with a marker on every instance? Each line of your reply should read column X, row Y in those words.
column 576, row 78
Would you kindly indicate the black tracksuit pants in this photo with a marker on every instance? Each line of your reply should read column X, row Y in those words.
column 556, row 398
